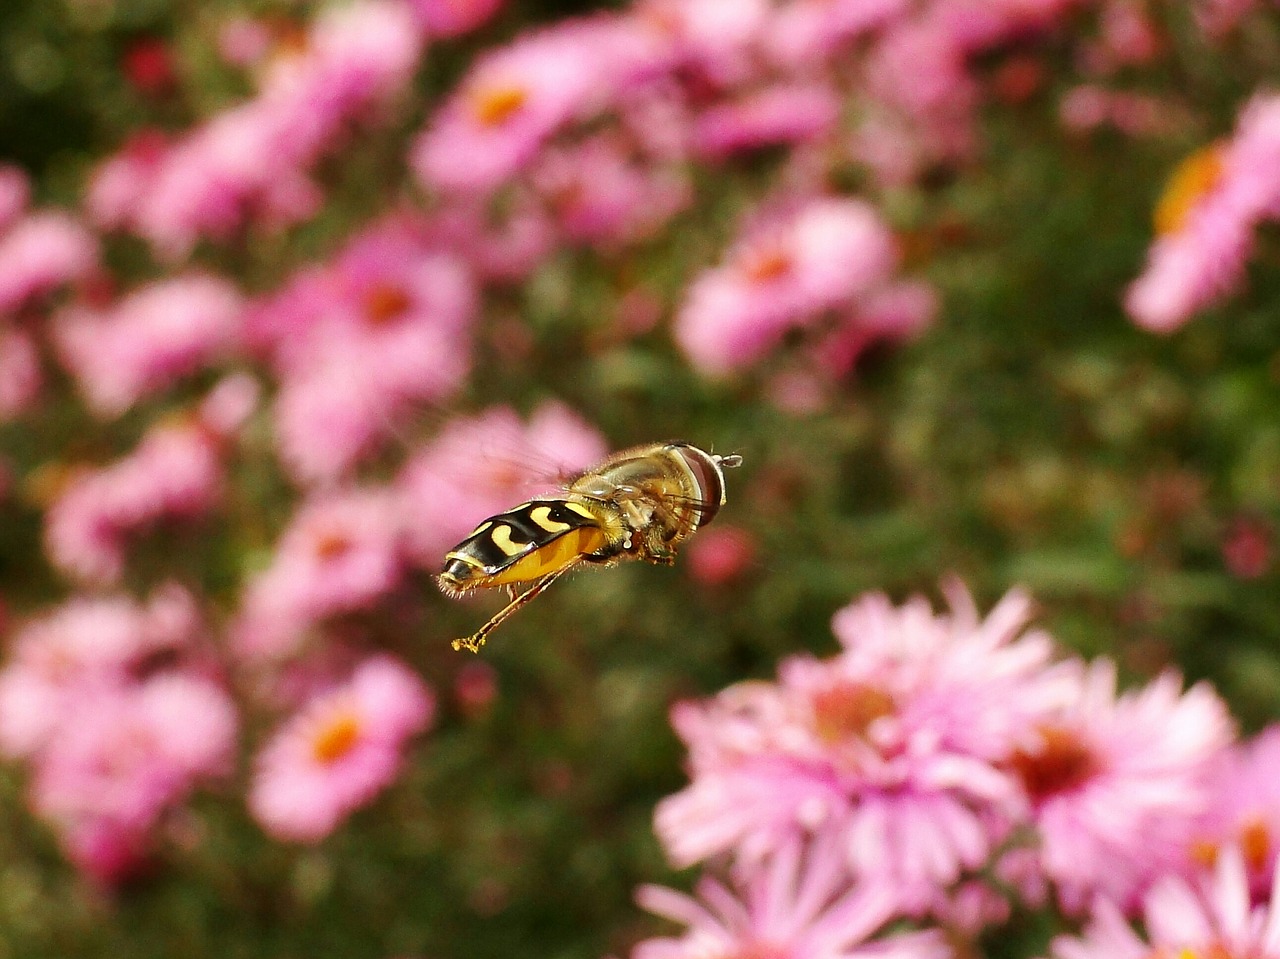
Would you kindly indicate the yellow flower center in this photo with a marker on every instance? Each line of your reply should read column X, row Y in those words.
column 1062, row 763
column 849, row 709
column 1194, row 177
column 385, row 302
column 335, row 738
column 493, row 106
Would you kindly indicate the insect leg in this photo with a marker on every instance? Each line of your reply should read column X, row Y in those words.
column 476, row 639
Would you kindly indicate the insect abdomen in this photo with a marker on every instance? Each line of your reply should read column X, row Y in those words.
column 521, row 544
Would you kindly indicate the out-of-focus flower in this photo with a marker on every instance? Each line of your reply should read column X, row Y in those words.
column 514, row 99
column 82, row 645
column 486, row 464
column 20, row 375
column 118, row 185
column 229, row 404
column 148, row 66
column 174, row 473
column 898, row 746
column 777, row 115
column 150, row 339
column 452, row 18
column 41, row 252
column 1244, row 809
column 598, row 194
column 105, row 783
column 801, row 33
column 1214, row 918
column 1206, row 219
column 475, row 687
column 356, row 343
column 338, row 752
column 898, row 312
column 1247, row 547
column 15, row 193
column 785, row 273
column 1116, row 782
column 340, row 553
column 720, row 555
column 796, row 904
column 244, row 41
column 250, row 162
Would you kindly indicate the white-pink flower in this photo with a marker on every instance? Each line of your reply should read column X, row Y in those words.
column 338, row 751
column 799, row 903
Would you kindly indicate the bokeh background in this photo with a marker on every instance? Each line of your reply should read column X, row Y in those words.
column 292, row 295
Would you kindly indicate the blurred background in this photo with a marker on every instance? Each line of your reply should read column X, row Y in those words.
column 292, row 295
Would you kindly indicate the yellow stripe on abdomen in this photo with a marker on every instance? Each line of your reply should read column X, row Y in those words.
column 557, row 554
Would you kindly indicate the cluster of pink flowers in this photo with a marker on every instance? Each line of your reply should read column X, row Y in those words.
column 121, row 713
column 954, row 764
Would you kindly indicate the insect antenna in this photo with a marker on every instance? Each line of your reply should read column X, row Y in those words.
column 476, row 639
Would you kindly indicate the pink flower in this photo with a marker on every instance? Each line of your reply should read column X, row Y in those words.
column 1117, row 782
column 150, row 339
column 452, row 18
column 146, row 748
column 15, row 193
column 797, row 904
column 802, row 32
column 359, row 342
column 20, row 374
column 1206, row 220
column 338, row 752
column 174, row 473
column 895, row 313
column 1212, row 918
column 84, row 644
column 119, row 185
column 40, row 252
column 782, row 114
column 785, row 273
column 485, row 465
column 340, row 553
column 1244, row 809
column 897, row 747
column 599, row 195
column 513, row 100
column 251, row 161
column 721, row 555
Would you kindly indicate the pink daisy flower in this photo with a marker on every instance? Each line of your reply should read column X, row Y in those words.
column 357, row 343
column 41, row 252
column 119, row 184
column 797, row 904
column 486, row 464
column 1244, row 809
column 1212, row 918
column 20, row 373
column 782, row 114
column 340, row 553
column 600, row 195
column 1206, row 219
column 802, row 32
column 513, row 100
column 147, row 747
column 1116, row 782
column 175, row 473
column 785, row 273
column 898, row 746
column 338, row 752
column 153, row 337
column 85, row 643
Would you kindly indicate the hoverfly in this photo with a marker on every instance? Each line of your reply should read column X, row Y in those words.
column 641, row 503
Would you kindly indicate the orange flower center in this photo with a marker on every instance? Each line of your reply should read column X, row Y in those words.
column 762, row 266
column 1193, row 178
column 1062, row 763
column 385, row 302
column 1255, row 843
column 495, row 105
column 332, row 545
column 849, row 709
column 336, row 738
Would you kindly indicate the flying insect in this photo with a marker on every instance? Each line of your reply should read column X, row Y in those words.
column 639, row 504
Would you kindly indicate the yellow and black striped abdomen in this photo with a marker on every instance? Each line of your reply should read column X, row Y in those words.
column 522, row 544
